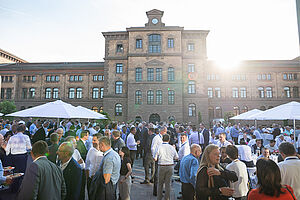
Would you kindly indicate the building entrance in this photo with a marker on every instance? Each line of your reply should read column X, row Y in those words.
column 154, row 118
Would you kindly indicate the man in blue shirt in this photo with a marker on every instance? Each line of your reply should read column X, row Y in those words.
column 234, row 132
column 188, row 172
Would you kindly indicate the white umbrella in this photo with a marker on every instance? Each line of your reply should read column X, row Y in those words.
column 89, row 114
column 1, row 114
column 56, row 109
column 246, row 115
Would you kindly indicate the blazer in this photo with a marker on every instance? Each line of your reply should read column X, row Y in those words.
column 40, row 134
column 52, row 152
column 73, row 178
column 82, row 149
column 43, row 180
column 206, row 137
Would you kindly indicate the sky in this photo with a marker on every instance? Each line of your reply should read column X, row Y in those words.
column 70, row 30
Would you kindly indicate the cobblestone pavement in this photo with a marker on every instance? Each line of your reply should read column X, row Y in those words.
column 145, row 191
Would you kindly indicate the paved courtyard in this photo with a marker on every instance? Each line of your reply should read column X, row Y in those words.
column 145, row 191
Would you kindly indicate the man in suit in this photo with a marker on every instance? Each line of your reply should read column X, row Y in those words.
column 205, row 134
column 82, row 144
column 43, row 179
column 71, row 170
column 40, row 134
column 53, row 147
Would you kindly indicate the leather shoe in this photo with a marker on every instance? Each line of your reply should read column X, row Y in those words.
column 145, row 182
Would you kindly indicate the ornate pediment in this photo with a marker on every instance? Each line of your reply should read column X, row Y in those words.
column 154, row 63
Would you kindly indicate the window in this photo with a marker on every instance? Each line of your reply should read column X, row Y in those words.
column 191, row 67
column 158, row 74
column 192, row 110
column 138, row 74
column 218, row 92
column 171, row 97
column 48, row 78
column 190, row 46
column 290, row 76
column 236, row 110
column 269, row 76
column 118, row 109
column 150, row 97
column 235, row 93
column 171, row 76
column 263, row 76
column 139, row 44
column 295, row 77
column 56, row 78
column 52, row 78
column 243, row 92
column 31, row 93
column 48, row 93
column 284, row 76
column 259, row 77
column 24, row 93
column 95, row 108
column 79, row 78
column 210, row 113
column 245, row 109
column 55, row 93
column 71, row 93
column 158, row 97
column 119, row 68
column 95, row 78
column 261, row 92
column 119, row 48
column 95, row 93
column 243, row 77
column 269, row 92
column 2, row 93
column 8, row 93
column 191, row 87
column 170, row 42
column 296, row 92
column 218, row 112
column 75, row 78
column 72, row 78
column 210, row 92
column 79, row 93
column 119, row 87
column 150, row 74
column 154, row 43
column 101, row 93
column 287, row 92
column 138, row 97
column 98, row 77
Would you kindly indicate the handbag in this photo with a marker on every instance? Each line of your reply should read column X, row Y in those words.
column 289, row 192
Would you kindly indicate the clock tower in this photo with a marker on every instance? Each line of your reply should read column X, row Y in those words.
column 154, row 18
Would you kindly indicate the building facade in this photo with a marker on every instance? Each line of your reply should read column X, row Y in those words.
column 155, row 73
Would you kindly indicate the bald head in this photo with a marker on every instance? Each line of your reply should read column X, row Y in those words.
column 196, row 150
column 67, row 147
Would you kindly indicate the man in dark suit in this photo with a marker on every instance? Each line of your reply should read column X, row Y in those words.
column 205, row 134
column 43, row 179
column 40, row 134
column 71, row 170
column 81, row 144
column 53, row 147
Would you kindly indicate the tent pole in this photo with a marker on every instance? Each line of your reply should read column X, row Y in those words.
column 255, row 122
column 295, row 134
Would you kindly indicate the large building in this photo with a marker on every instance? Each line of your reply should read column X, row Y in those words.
column 155, row 73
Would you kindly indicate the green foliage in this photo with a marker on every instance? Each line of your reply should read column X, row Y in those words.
column 227, row 116
column 104, row 121
column 7, row 107
column 199, row 117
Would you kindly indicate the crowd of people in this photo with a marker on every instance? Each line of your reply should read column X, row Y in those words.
column 73, row 160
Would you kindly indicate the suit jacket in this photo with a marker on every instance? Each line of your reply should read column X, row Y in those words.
column 206, row 137
column 40, row 134
column 73, row 178
column 82, row 149
column 52, row 152
column 42, row 180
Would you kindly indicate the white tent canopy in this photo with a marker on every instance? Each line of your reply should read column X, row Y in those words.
column 56, row 109
column 1, row 114
column 89, row 114
column 246, row 115
column 286, row 111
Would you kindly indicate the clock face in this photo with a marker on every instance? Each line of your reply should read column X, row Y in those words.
column 154, row 21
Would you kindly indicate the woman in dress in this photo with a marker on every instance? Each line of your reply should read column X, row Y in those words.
column 269, row 178
column 125, row 174
column 213, row 180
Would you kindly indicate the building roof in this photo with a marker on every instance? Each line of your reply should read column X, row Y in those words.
column 51, row 66
column 11, row 57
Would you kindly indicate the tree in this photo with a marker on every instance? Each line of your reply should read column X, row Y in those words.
column 199, row 117
column 7, row 107
column 227, row 117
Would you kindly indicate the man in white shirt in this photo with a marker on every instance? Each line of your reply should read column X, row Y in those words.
column 222, row 140
column 3, row 131
column 280, row 140
column 165, row 155
column 185, row 147
column 196, row 137
column 290, row 167
column 241, row 186
column 272, row 147
column 132, row 144
column 245, row 154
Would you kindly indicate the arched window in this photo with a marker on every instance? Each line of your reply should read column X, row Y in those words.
column 119, row 87
column 55, row 93
column 118, row 109
column 211, row 114
column 192, row 110
column 236, row 110
column 138, row 74
column 154, row 43
column 138, row 97
column 171, row 75
column 71, row 93
column 48, row 93
column 209, row 92
column 79, row 93
column 296, row 92
column 235, row 92
column 261, row 92
column 171, row 97
column 95, row 108
column 150, row 97
column 269, row 92
column 95, row 93
column 158, row 97
column 218, row 112
column 218, row 92
column 245, row 109
column 191, row 87
column 31, row 93
column 287, row 92
column 263, row 108
column 243, row 92
column 101, row 93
